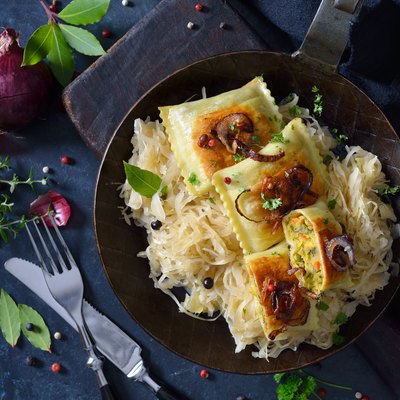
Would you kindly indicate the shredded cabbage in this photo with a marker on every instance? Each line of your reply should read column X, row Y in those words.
column 196, row 240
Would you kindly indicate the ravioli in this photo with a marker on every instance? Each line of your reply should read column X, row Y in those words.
column 249, row 193
column 308, row 231
column 281, row 304
column 249, row 112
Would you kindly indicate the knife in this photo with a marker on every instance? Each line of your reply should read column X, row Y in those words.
column 110, row 340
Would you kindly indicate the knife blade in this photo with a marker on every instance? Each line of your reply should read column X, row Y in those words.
column 110, row 340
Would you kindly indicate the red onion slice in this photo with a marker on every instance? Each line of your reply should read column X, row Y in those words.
column 340, row 252
column 51, row 201
column 249, row 152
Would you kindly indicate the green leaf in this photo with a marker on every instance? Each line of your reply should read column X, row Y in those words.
column 278, row 138
column 84, row 12
column 9, row 318
column 388, row 190
column 322, row 306
column 82, row 40
column 341, row 319
column 60, row 57
column 39, row 336
column 337, row 339
column 332, row 204
column 38, row 46
column 193, row 179
column 142, row 181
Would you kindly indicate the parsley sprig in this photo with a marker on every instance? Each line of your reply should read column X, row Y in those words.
column 388, row 190
column 270, row 203
column 317, row 101
column 300, row 385
column 278, row 138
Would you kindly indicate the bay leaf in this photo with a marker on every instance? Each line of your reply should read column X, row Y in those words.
column 82, row 40
column 84, row 12
column 141, row 180
column 39, row 336
column 9, row 318
column 38, row 46
column 60, row 57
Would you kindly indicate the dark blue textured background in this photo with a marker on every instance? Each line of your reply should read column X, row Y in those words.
column 43, row 143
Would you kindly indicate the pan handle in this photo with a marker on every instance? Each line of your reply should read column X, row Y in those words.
column 328, row 34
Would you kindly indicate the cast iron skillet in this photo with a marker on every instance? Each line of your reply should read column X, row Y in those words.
column 345, row 107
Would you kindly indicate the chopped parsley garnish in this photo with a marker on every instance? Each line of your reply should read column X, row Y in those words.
column 193, row 179
column 317, row 101
column 278, row 138
column 238, row 157
column 211, row 200
column 274, row 253
column 271, row 204
column 295, row 111
column 231, row 126
column 322, row 306
column 327, row 159
column 337, row 339
column 388, row 190
column 256, row 139
column 213, row 163
column 332, row 204
column 342, row 138
column 341, row 319
column 326, row 221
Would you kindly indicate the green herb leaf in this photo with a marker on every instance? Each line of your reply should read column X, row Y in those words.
column 38, row 46
column 341, row 138
column 39, row 336
column 278, row 138
column 327, row 159
column 295, row 111
column 193, row 179
column 84, row 12
column 211, row 200
column 341, row 319
column 317, row 101
column 271, row 204
column 388, row 190
column 290, row 387
column 9, row 318
column 326, row 221
column 82, row 40
column 332, row 204
column 278, row 377
column 322, row 306
column 142, row 181
column 60, row 57
column 238, row 157
column 337, row 339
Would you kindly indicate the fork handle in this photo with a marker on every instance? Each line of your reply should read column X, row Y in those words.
column 106, row 393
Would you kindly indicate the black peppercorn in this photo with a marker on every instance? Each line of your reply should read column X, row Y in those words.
column 156, row 225
column 208, row 283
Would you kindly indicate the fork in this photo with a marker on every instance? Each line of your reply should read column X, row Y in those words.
column 66, row 286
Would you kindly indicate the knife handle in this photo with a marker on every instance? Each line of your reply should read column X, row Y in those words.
column 165, row 394
column 106, row 393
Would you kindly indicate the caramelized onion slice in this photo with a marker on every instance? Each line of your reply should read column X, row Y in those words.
column 249, row 152
column 248, row 207
column 229, row 126
column 340, row 252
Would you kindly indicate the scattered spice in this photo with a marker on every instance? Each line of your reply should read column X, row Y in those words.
column 156, row 225
column 365, row 398
column 203, row 140
column 125, row 3
column 56, row 367
column 227, row 180
column 57, row 336
column 208, row 283
column 271, row 287
column 65, row 160
column 106, row 33
column 204, row 374
column 190, row 25
column 212, row 143
column 53, row 7
column 358, row 395
column 222, row 25
column 321, row 392
column 46, row 169
column 199, row 7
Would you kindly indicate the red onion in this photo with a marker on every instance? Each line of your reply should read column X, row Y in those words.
column 24, row 91
column 51, row 201
column 340, row 252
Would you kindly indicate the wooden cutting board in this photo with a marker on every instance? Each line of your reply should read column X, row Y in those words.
column 155, row 47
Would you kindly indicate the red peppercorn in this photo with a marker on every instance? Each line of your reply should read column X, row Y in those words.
column 365, row 398
column 106, row 33
column 55, row 367
column 321, row 392
column 203, row 140
column 65, row 160
column 227, row 180
column 271, row 287
column 212, row 143
column 199, row 7
column 204, row 373
column 53, row 8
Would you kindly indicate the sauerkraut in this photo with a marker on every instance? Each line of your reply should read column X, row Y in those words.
column 196, row 240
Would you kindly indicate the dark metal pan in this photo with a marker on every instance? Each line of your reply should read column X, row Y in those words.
column 345, row 107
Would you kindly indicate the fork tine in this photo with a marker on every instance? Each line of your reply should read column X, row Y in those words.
column 63, row 244
column 38, row 255
column 46, row 250
column 53, row 244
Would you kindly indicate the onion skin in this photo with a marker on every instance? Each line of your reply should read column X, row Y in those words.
column 24, row 91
